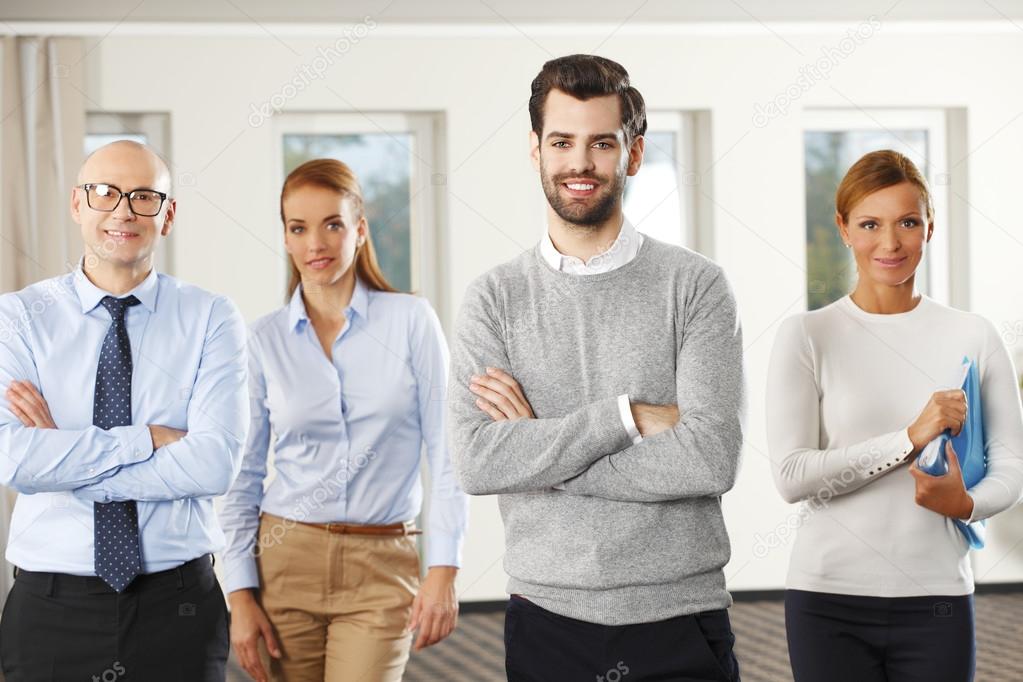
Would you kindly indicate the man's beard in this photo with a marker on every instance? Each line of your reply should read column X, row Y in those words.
column 575, row 212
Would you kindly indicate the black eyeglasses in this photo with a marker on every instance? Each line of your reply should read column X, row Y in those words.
column 103, row 197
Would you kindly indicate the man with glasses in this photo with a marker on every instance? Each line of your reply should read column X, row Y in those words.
column 126, row 408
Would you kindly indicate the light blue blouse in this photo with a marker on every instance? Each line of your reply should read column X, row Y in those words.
column 347, row 431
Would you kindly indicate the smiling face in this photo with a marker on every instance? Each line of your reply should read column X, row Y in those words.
column 888, row 232
column 121, row 238
column 583, row 157
column 322, row 230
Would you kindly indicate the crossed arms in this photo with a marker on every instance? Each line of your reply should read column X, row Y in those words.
column 135, row 462
column 499, row 446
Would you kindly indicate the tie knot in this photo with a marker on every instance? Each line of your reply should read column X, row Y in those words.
column 117, row 306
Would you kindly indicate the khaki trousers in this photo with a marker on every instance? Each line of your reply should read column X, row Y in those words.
column 339, row 603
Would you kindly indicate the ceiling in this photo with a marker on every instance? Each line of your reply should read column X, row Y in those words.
column 506, row 11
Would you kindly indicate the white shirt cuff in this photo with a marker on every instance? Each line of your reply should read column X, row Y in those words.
column 625, row 410
column 904, row 445
column 240, row 574
column 976, row 512
column 443, row 550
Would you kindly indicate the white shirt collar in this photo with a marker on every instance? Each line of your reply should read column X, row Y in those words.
column 622, row 250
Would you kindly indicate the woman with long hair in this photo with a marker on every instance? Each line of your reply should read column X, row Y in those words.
column 879, row 586
column 348, row 381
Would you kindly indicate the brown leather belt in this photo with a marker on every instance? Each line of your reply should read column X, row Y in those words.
column 406, row 528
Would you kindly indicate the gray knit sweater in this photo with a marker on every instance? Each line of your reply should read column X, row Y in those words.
column 637, row 533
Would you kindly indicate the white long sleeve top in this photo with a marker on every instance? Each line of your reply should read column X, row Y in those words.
column 843, row 387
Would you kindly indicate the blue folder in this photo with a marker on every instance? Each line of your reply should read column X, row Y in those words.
column 969, row 448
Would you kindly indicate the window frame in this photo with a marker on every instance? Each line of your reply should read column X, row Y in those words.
column 692, row 135
column 941, row 279
column 425, row 261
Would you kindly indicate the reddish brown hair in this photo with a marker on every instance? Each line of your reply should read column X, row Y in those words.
column 875, row 171
column 334, row 175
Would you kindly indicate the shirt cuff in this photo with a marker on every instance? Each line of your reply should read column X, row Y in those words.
column 976, row 512
column 443, row 551
column 136, row 443
column 902, row 447
column 625, row 410
column 240, row 574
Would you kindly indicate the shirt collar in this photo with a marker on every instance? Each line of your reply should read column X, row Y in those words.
column 359, row 305
column 89, row 295
column 623, row 249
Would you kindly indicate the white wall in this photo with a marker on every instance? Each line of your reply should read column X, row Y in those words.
column 227, row 238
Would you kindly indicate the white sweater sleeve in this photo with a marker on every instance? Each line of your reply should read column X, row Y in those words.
column 1003, row 430
column 801, row 469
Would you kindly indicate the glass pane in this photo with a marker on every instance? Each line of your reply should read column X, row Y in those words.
column 94, row 141
column 652, row 200
column 383, row 164
column 830, row 267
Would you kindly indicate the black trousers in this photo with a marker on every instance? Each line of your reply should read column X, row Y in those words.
column 541, row 646
column 846, row 638
column 169, row 626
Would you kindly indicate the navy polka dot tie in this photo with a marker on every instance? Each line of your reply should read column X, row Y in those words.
column 116, row 523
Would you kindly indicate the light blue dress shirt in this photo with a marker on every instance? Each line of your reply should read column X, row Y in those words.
column 347, row 431
column 189, row 372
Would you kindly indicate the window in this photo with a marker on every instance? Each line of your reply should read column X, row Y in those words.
column 103, row 127
column 152, row 129
column 833, row 140
column 393, row 157
column 662, row 199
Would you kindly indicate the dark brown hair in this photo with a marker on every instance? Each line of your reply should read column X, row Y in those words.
column 336, row 176
column 584, row 76
column 875, row 171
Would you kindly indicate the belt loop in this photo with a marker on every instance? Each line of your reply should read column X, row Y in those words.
column 181, row 577
column 15, row 572
column 214, row 558
column 51, row 585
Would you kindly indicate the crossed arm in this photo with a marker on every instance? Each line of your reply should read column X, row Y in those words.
column 139, row 462
column 29, row 406
column 690, row 449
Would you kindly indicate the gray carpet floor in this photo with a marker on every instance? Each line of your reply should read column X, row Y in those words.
column 475, row 651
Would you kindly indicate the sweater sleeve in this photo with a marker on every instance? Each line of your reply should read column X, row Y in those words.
column 699, row 456
column 519, row 455
column 801, row 468
column 1002, row 487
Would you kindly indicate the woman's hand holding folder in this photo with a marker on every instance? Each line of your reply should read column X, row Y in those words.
column 946, row 494
column 944, row 410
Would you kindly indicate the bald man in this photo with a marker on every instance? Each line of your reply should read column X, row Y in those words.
column 126, row 408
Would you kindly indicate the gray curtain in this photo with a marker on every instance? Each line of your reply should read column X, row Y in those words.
column 42, row 136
